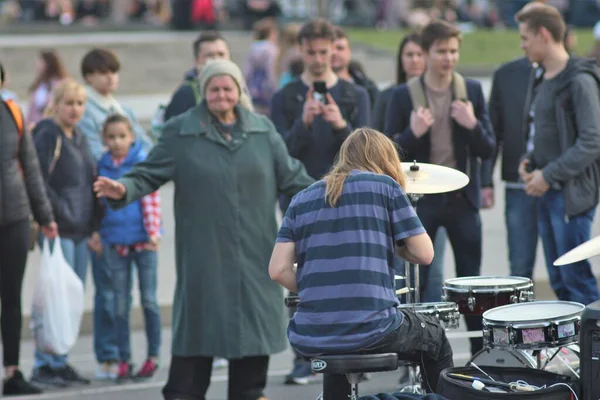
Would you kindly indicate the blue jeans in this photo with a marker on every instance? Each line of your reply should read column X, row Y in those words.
column 105, row 338
column 521, row 216
column 122, row 271
column 435, row 271
column 77, row 255
column 573, row 282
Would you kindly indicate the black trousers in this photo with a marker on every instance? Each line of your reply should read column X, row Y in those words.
column 14, row 248
column 189, row 378
column 420, row 339
column 463, row 227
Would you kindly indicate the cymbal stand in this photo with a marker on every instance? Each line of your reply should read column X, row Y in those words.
column 414, row 294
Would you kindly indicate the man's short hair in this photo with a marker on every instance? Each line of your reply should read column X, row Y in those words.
column 339, row 33
column 206, row 37
column 100, row 60
column 438, row 30
column 543, row 16
column 319, row 28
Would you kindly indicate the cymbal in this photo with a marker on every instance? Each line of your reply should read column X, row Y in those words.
column 584, row 251
column 422, row 178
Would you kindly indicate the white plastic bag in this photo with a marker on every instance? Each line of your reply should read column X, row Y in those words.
column 57, row 303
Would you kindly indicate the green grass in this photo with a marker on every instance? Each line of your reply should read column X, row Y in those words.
column 480, row 49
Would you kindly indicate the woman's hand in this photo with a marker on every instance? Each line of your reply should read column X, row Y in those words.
column 105, row 187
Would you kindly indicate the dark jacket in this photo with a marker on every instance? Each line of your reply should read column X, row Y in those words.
column 577, row 105
column 316, row 146
column 380, row 108
column 69, row 186
column 184, row 98
column 361, row 79
column 470, row 146
column 507, row 113
column 21, row 192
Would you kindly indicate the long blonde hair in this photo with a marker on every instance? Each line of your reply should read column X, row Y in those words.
column 364, row 149
column 60, row 91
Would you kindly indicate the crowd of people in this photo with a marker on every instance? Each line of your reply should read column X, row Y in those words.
column 302, row 125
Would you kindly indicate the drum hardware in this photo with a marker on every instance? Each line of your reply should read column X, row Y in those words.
column 445, row 312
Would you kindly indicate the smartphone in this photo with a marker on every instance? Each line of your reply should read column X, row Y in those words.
column 320, row 91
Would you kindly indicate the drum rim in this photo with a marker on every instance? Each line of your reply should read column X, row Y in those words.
column 454, row 284
column 436, row 305
column 538, row 322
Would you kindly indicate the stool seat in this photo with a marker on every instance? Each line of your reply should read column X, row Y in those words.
column 354, row 363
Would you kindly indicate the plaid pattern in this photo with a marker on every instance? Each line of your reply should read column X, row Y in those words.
column 152, row 218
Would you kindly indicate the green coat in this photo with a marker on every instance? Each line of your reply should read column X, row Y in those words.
column 225, row 194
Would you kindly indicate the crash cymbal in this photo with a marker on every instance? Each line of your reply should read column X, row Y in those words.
column 422, row 178
column 584, row 251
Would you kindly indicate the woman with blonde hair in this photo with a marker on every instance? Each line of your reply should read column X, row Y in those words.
column 228, row 164
column 69, row 172
column 343, row 232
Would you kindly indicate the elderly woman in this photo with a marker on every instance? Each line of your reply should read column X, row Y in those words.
column 228, row 164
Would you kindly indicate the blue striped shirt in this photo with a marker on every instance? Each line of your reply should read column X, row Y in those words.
column 345, row 258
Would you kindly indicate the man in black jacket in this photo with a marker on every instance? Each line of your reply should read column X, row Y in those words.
column 452, row 132
column 562, row 167
column 209, row 45
column 22, row 192
column 343, row 65
column 507, row 113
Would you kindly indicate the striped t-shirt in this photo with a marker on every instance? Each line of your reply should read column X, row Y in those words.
column 345, row 258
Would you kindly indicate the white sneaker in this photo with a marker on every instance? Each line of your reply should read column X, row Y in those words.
column 106, row 371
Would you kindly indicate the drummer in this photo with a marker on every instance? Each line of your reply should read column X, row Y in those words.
column 452, row 130
column 343, row 231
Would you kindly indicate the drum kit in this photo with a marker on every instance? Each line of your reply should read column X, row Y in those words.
column 517, row 330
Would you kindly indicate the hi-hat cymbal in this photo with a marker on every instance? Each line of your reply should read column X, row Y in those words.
column 424, row 178
column 584, row 251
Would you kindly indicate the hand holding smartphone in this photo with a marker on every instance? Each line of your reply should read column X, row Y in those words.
column 320, row 91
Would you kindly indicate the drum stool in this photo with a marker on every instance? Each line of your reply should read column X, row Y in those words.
column 346, row 371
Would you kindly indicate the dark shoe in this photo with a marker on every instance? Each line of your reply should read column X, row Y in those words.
column 69, row 374
column 125, row 371
column 17, row 384
column 148, row 370
column 47, row 376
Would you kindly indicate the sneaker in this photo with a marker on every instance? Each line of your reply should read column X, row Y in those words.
column 17, row 384
column 300, row 375
column 220, row 363
column 125, row 371
column 47, row 376
column 148, row 370
column 106, row 371
column 69, row 374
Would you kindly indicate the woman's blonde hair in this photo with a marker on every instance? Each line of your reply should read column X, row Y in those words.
column 365, row 149
column 65, row 87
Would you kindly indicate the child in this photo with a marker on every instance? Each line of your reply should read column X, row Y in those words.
column 130, row 235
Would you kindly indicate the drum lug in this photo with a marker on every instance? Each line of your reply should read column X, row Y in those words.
column 512, row 336
column 486, row 335
column 514, row 299
column 444, row 297
column 552, row 332
column 471, row 303
column 526, row 296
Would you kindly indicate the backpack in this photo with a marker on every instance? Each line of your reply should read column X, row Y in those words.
column 417, row 91
column 293, row 101
column 259, row 87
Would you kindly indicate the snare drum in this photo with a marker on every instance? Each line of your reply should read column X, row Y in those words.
column 446, row 312
column 477, row 294
column 536, row 325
